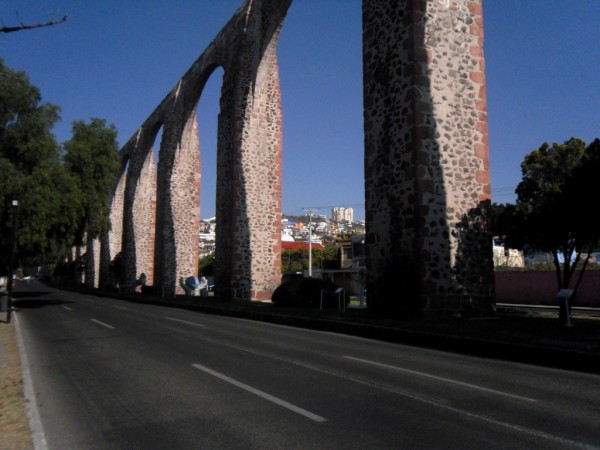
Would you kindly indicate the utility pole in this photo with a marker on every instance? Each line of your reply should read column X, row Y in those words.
column 310, row 212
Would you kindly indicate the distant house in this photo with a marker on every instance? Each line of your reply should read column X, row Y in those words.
column 508, row 257
column 287, row 235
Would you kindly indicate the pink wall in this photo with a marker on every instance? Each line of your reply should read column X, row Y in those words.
column 540, row 288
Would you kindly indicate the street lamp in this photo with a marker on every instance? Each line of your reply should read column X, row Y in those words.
column 310, row 214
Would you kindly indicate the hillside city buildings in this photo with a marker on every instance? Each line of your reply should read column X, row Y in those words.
column 325, row 230
column 319, row 229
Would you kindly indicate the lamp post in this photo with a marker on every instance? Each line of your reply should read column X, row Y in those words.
column 310, row 214
column 310, row 244
column 11, row 267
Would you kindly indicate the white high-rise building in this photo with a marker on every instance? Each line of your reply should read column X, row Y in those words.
column 341, row 214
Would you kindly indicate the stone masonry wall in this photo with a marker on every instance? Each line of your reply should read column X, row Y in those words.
column 159, row 216
column 426, row 156
column 111, row 243
column 427, row 186
column 144, row 221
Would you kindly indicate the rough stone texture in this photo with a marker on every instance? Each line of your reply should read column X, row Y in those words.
column 144, row 219
column 248, row 175
column 92, row 268
column 427, row 184
column 111, row 243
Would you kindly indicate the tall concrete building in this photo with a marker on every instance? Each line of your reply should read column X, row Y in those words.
column 341, row 214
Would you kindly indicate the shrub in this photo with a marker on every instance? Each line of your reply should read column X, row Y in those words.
column 304, row 292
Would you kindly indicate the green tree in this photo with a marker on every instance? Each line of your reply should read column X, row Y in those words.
column 507, row 224
column 206, row 265
column 32, row 174
column 92, row 158
column 556, row 180
column 294, row 260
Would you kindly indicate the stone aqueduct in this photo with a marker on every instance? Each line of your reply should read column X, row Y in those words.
column 427, row 184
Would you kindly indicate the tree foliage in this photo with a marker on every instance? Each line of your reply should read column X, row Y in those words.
column 31, row 174
column 552, row 213
column 58, row 199
column 297, row 260
column 92, row 158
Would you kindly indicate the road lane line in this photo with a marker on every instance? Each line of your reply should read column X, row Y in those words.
column 262, row 394
column 67, row 308
column 446, row 380
column 119, row 307
column 102, row 323
column 185, row 321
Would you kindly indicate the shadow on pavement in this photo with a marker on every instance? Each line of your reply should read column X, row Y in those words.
column 29, row 303
column 34, row 295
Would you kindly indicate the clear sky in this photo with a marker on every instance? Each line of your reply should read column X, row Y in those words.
column 117, row 59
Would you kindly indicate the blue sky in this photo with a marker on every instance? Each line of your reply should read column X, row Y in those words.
column 117, row 59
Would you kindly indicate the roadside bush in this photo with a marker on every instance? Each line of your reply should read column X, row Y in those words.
column 305, row 292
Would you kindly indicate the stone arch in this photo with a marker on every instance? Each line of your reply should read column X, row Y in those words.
column 426, row 158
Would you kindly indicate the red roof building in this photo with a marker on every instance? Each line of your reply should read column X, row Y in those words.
column 297, row 245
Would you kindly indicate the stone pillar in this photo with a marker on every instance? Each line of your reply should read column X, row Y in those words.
column 258, row 256
column 92, row 264
column 427, row 186
column 111, row 243
column 138, row 216
column 248, row 241
column 144, row 220
column 178, row 201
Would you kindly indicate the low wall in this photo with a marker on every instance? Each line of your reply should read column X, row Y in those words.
column 540, row 288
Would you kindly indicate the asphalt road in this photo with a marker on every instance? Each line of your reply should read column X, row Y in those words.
column 110, row 374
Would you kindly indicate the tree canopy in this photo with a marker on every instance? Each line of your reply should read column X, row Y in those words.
column 553, row 212
column 31, row 173
column 92, row 157
column 58, row 199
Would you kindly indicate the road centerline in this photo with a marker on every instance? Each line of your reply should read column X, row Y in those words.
column 262, row 394
column 103, row 324
column 446, row 380
column 184, row 321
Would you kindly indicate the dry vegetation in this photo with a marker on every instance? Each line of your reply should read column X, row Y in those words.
column 15, row 433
